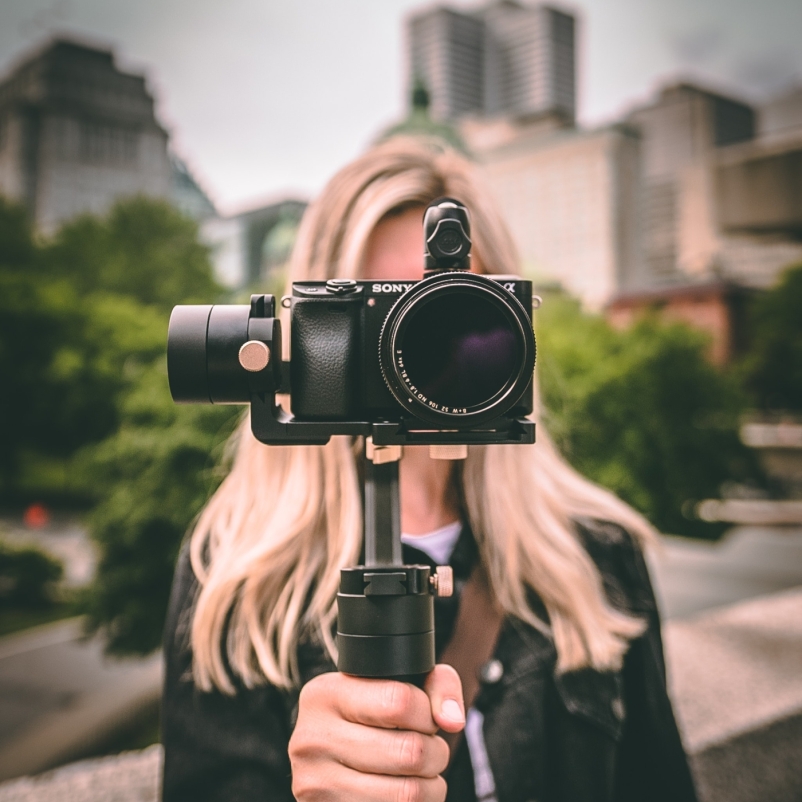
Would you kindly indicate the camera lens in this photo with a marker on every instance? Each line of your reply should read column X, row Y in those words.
column 457, row 348
column 460, row 349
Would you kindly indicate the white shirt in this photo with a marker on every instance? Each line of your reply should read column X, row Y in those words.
column 438, row 544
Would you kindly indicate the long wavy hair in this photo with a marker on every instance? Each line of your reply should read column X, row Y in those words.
column 268, row 547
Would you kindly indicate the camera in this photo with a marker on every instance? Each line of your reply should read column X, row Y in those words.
column 446, row 359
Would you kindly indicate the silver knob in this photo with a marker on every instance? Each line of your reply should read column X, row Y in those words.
column 254, row 356
column 443, row 580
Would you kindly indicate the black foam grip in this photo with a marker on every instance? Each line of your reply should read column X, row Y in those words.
column 326, row 349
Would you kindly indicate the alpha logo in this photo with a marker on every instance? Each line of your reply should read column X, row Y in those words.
column 386, row 288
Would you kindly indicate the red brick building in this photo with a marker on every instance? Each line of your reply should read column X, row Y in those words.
column 717, row 308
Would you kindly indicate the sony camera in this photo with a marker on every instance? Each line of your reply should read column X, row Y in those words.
column 448, row 359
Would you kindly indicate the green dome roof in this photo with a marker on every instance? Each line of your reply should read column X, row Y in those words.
column 418, row 123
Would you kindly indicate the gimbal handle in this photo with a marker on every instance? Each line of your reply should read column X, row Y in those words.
column 385, row 622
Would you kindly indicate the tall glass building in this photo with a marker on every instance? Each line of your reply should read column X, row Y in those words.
column 504, row 59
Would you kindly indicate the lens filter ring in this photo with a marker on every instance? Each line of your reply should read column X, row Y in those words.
column 457, row 350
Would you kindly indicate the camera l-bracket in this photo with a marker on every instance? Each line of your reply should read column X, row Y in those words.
column 273, row 425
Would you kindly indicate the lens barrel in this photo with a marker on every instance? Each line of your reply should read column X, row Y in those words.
column 457, row 350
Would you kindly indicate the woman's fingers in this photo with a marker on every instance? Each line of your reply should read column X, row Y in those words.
column 444, row 688
column 363, row 739
column 398, row 753
column 341, row 782
column 383, row 703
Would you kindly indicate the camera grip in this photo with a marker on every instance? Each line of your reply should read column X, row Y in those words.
column 324, row 370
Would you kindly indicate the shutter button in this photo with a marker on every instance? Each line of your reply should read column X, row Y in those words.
column 341, row 286
column 491, row 672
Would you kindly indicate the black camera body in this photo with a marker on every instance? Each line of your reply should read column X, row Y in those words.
column 336, row 371
column 448, row 359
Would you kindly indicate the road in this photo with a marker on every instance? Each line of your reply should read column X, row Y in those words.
column 691, row 575
column 61, row 698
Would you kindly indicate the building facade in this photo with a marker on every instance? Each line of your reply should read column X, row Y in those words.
column 720, row 192
column 250, row 249
column 504, row 59
column 681, row 131
column 76, row 133
column 692, row 189
column 570, row 199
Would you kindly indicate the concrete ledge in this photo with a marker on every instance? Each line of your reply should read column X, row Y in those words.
column 79, row 730
column 92, row 696
column 765, row 765
column 754, row 512
column 129, row 777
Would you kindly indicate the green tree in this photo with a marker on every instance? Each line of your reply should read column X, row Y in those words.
column 154, row 475
column 640, row 411
column 78, row 314
column 83, row 328
column 143, row 249
column 772, row 367
column 42, row 340
column 156, row 468
column 27, row 576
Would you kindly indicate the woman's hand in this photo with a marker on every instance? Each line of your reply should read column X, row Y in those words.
column 373, row 740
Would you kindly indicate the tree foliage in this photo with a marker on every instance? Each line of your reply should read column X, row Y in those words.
column 773, row 364
column 144, row 249
column 51, row 398
column 27, row 576
column 154, row 475
column 83, row 328
column 153, row 471
column 641, row 411
column 78, row 314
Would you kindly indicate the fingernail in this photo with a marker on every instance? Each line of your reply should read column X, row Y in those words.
column 452, row 711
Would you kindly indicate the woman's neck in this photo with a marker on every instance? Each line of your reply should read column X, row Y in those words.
column 428, row 492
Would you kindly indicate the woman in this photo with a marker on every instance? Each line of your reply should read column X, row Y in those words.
column 572, row 702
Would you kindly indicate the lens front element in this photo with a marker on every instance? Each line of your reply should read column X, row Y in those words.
column 457, row 348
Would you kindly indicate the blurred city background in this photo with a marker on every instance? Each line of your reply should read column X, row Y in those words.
column 648, row 159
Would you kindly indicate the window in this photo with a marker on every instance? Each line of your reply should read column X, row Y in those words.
column 107, row 144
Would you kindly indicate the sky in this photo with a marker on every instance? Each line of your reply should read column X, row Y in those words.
column 268, row 98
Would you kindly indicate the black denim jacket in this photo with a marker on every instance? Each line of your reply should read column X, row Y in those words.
column 583, row 736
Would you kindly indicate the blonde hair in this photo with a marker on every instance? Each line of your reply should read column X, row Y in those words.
column 268, row 547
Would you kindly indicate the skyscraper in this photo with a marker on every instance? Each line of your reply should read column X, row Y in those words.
column 504, row 59
column 76, row 133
